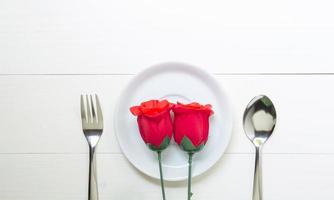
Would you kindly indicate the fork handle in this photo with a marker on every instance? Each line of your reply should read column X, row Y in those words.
column 92, row 184
column 257, row 183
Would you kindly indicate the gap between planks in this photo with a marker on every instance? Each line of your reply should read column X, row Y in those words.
column 117, row 153
column 131, row 74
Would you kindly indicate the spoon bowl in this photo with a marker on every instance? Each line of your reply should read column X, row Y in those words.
column 259, row 119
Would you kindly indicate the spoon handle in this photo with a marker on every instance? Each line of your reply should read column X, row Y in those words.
column 257, row 183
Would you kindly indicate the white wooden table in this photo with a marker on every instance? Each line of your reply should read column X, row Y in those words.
column 52, row 51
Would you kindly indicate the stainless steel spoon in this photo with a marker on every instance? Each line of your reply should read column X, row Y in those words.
column 259, row 122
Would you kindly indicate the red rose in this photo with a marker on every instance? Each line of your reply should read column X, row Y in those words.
column 191, row 125
column 155, row 123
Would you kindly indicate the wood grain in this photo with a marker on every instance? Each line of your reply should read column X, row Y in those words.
column 41, row 114
column 58, row 177
column 47, row 37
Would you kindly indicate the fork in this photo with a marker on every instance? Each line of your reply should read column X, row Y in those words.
column 92, row 126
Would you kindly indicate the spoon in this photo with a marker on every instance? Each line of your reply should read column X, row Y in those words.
column 259, row 122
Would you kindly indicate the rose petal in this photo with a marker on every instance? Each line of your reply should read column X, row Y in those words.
column 135, row 110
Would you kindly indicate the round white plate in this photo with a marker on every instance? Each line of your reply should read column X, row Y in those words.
column 175, row 82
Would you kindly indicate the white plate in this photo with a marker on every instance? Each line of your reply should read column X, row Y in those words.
column 175, row 82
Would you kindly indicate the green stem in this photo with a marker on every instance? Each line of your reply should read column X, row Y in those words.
column 189, row 175
column 161, row 177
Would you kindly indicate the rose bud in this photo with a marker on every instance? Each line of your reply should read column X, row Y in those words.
column 155, row 123
column 191, row 125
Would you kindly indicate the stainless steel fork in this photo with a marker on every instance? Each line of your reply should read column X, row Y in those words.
column 92, row 126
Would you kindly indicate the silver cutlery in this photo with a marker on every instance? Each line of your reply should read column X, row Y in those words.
column 259, row 121
column 92, row 126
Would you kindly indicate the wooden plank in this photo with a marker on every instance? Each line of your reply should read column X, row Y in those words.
column 58, row 177
column 44, row 36
column 40, row 114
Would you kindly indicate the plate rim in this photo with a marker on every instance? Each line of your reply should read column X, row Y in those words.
column 184, row 66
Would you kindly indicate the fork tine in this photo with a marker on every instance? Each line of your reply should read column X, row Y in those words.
column 89, row 115
column 83, row 113
column 93, row 110
column 99, row 111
